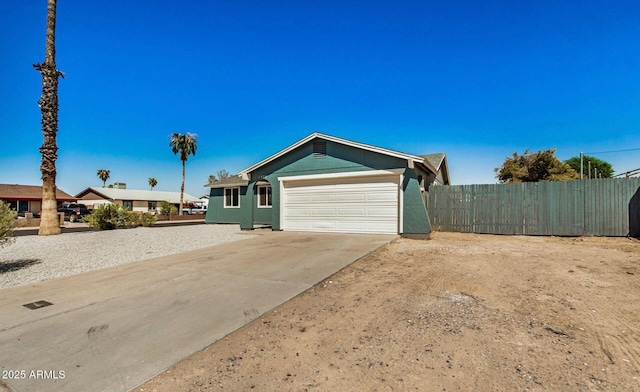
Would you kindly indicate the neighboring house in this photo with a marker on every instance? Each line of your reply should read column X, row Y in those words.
column 204, row 200
column 135, row 200
column 28, row 198
column 326, row 184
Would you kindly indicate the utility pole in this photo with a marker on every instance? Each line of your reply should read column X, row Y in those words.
column 581, row 165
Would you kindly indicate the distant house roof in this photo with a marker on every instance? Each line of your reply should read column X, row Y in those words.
column 228, row 182
column 29, row 192
column 316, row 135
column 112, row 194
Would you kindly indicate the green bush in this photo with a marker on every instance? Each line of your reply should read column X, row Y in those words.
column 167, row 208
column 7, row 224
column 106, row 217
column 147, row 219
column 113, row 216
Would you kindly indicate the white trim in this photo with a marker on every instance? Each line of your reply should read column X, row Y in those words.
column 410, row 158
column 224, row 197
column 268, row 186
column 401, row 205
column 369, row 173
column 282, row 203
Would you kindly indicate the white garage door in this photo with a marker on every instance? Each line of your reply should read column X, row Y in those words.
column 346, row 205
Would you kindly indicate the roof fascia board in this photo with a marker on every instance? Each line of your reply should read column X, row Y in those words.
column 446, row 171
column 428, row 166
column 227, row 185
column 370, row 173
column 245, row 174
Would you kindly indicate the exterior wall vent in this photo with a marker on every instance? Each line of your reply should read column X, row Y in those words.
column 320, row 148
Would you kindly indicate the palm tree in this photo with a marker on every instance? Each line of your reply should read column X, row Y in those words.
column 103, row 174
column 152, row 182
column 185, row 144
column 48, row 103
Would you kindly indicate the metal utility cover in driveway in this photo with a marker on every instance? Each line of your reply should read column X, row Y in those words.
column 113, row 329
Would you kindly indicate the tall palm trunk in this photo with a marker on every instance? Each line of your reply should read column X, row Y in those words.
column 48, row 103
column 182, row 188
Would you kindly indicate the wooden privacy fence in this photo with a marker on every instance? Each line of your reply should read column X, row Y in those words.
column 600, row 207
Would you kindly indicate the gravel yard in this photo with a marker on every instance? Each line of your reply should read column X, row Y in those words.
column 33, row 258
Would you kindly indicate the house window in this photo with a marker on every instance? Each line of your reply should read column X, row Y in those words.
column 231, row 197
column 152, row 205
column 128, row 204
column 264, row 196
column 23, row 206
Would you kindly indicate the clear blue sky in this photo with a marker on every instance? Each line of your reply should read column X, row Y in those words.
column 477, row 80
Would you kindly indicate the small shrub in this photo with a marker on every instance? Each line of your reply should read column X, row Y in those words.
column 130, row 220
column 8, row 220
column 105, row 217
column 147, row 219
column 165, row 207
column 113, row 216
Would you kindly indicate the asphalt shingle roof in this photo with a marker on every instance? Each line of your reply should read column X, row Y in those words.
column 228, row 182
column 434, row 159
column 28, row 192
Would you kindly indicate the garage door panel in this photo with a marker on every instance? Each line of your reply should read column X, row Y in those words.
column 319, row 212
column 298, row 212
column 383, row 196
column 323, row 226
column 324, row 197
column 354, row 197
column 352, row 205
column 298, row 198
column 346, row 212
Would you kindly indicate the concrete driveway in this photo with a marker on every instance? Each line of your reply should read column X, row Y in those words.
column 113, row 329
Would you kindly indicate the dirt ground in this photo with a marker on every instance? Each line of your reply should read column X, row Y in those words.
column 457, row 312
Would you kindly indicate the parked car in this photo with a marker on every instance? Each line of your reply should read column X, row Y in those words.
column 73, row 212
column 194, row 210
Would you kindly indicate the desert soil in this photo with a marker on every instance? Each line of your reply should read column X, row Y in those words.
column 457, row 312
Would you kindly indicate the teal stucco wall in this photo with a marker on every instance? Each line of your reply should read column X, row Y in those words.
column 415, row 217
column 216, row 213
column 261, row 215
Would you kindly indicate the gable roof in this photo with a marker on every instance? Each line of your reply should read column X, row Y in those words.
column 439, row 161
column 29, row 192
column 435, row 159
column 244, row 174
column 134, row 194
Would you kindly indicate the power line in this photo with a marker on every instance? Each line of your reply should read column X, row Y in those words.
column 607, row 152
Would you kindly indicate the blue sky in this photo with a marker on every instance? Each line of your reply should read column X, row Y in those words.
column 477, row 80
